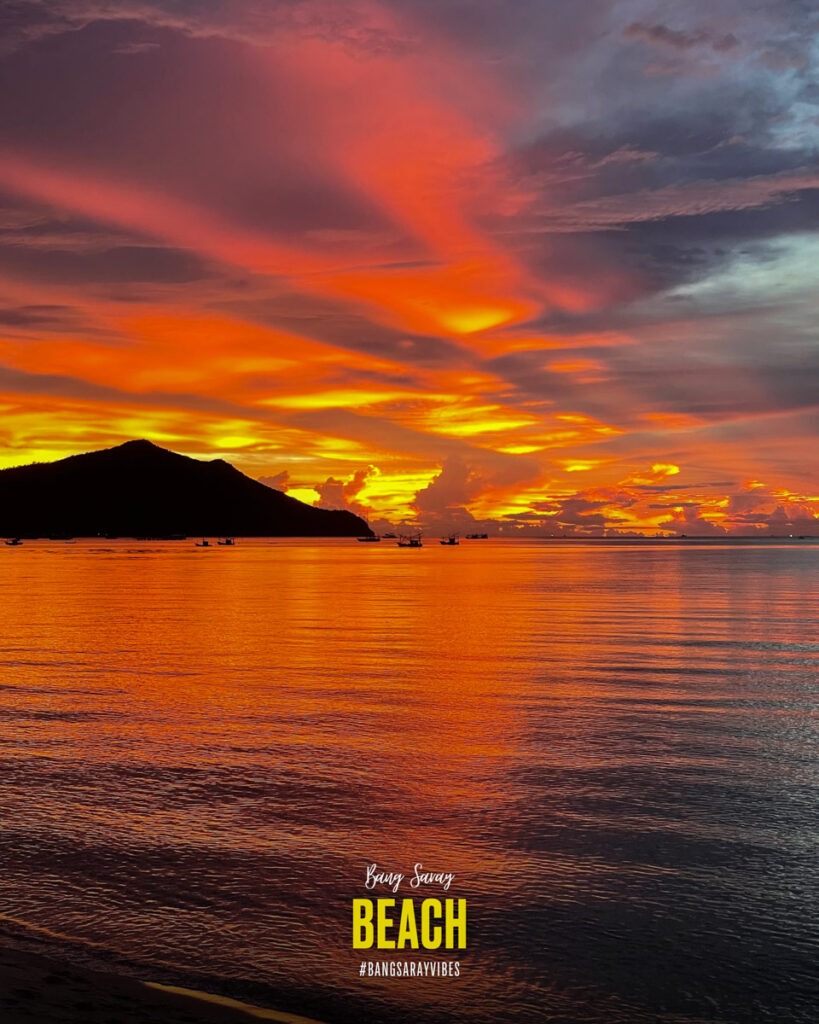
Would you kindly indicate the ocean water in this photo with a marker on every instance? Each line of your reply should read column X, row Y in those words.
column 614, row 748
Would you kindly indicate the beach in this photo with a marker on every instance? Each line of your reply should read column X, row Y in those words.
column 37, row 990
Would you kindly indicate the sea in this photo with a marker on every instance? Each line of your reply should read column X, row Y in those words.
column 612, row 746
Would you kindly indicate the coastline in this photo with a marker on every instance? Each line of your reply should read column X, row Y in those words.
column 37, row 990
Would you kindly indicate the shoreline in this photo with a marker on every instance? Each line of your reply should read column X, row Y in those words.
column 36, row 989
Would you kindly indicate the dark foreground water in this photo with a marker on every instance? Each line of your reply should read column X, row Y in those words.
column 614, row 747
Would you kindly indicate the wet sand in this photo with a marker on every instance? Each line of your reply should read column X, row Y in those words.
column 35, row 990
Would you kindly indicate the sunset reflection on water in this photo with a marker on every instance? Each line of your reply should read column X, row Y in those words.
column 613, row 747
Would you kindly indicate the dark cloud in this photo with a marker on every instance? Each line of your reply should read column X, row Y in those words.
column 342, row 494
column 715, row 392
column 680, row 40
column 695, row 199
column 674, row 488
column 279, row 482
column 136, row 47
column 691, row 522
column 717, row 369
column 337, row 324
column 661, row 199
column 254, row 159
column 50, row 316
column 574, row 515
column 61, row 386
column 457, row 485
column 242, row 21
column 138, row 264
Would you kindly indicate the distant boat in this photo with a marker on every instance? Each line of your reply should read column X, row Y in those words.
column 203, row 543
column 374, row 539
column 228, row 542
column 477, row 536
column 451, row 541
column 410, row 542
column 14, row 542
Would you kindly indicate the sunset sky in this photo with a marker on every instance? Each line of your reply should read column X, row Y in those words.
column 518, row 265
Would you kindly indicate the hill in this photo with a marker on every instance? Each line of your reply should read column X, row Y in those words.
column 141, row 490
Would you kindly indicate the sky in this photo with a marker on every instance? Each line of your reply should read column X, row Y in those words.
column 522, row 266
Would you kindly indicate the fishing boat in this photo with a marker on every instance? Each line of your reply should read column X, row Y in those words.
column 410, row 542
column 477, row 536
column 203, row 543
column 372, row 539
column 14, row 542
column 451, row 541
column 228, row 542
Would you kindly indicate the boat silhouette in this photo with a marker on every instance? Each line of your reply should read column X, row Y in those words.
column 410, row 542
column 451, row 541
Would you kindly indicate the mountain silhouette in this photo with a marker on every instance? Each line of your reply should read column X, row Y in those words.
column 139, row 489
